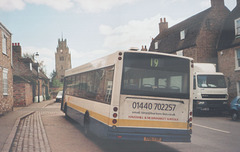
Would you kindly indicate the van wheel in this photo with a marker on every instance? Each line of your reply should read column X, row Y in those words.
column 234, row 116
column 86, row 124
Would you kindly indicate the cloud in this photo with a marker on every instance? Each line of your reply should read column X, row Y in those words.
column 134, row 34
column 9, row 5
column 79, row 58
column 91, row 6
column 205, row 4
column 60, row 5
column 95, row 6
column 45, row 54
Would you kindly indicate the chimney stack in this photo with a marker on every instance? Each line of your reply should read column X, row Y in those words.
column 217, row 3
column 17, row 50
column 163, row 25
column 144, row 48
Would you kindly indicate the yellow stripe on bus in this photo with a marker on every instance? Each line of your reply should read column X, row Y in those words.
column 94, row 115
column 152, row 124
column 131, row 123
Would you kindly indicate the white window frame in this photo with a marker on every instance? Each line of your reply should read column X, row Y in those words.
column 238, row 88
column 182, row 35
column 237, row 27
column 30, row 66
column 156, row 45
column 4, row 43
column 5, row 81
column 179, row 53
column 237, row 59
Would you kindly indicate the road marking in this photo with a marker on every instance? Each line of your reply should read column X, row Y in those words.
column 227, row 132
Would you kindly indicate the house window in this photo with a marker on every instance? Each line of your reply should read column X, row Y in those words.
column 182, row 35
column 30, row 65
column 180, row 53
column 237, row 27
column 238, row 59
column 4, row 43
column 5, row 81
column 156, row 45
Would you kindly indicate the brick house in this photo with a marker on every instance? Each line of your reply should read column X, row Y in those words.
column 26, row 79
column 229, row 51
column 194, row 37
column 6, row 78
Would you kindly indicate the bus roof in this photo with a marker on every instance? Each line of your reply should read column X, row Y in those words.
column 109, row 60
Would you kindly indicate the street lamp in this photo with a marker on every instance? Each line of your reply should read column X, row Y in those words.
column 37, row 54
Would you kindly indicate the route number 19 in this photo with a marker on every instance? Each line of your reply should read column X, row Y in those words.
column 154, row 62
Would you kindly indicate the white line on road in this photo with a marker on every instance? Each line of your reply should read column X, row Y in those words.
column 227, row 132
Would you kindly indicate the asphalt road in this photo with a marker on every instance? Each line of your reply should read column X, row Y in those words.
column 213, row 134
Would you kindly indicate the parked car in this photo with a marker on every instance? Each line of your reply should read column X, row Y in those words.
column 235, row 108
column 59, row 96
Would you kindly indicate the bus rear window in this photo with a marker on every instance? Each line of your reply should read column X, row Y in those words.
column 148, row 75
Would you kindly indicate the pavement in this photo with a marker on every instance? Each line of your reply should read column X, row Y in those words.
column 22, row 129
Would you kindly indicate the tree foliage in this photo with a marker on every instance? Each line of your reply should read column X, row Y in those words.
column 42, row 66
column 54, row 81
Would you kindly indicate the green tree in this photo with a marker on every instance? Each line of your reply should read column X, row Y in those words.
column 54, row 81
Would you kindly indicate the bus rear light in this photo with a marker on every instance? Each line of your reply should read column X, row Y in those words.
column 115, row 109
column 114, row 115
column 119, row 137
column 119, row 58
column 190, row 125
column 114, row 121
column 192, row 65
column 120, row 53
column 191, row 113
column 190, row 119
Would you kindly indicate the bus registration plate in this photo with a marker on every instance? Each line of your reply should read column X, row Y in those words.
column 152, row 139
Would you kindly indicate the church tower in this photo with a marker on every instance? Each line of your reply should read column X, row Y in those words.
column 62, row 59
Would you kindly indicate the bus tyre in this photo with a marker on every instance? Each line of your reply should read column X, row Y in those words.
column 65, row 110
column 234, row 115
column 86, row 124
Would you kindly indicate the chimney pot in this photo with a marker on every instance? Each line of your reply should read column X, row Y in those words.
column 160, row 20
column 163, row 25
column 12, row 44
column 18, row 44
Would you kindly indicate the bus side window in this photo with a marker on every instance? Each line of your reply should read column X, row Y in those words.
column 108, row 84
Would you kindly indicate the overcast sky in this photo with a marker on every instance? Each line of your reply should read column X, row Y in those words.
column 93, row 28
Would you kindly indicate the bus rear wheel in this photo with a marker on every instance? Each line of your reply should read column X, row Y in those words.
column 65, row 110
column 86, row 124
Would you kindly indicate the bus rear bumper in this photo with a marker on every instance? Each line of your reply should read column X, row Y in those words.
column 149, row 137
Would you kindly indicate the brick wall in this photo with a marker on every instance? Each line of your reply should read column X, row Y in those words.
column 208, row 36
column 226, row 64
column 6, row 101
column 22, row 94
